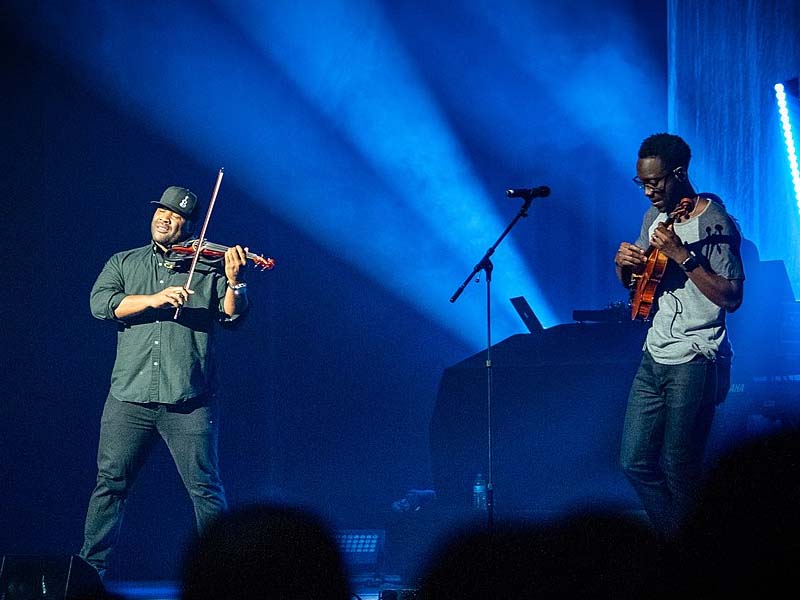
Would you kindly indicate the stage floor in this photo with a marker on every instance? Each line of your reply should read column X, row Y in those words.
column 170, row 590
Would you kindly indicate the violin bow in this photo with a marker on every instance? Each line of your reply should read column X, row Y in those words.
column 202, row 237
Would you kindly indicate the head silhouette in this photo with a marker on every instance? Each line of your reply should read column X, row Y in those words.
column 590, row 554
column 745, row 534
column 265, row 552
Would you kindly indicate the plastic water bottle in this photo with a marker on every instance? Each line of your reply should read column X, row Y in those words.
column 479, row 492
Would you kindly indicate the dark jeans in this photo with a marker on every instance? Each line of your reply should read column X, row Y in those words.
column 127, row 433
column 667, row 423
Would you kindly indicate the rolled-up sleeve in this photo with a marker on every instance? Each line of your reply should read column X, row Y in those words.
column 108, row 291
column 227, row 321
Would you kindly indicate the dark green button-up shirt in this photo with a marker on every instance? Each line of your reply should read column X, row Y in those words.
column 160, row 359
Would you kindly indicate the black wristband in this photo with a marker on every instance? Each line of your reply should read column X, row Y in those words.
column 691, row 262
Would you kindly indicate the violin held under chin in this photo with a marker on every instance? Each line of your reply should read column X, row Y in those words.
column 212, row 253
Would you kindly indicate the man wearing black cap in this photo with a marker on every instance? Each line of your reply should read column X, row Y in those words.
column 162, row 381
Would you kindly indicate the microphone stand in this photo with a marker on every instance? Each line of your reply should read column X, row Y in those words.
column 485, row 264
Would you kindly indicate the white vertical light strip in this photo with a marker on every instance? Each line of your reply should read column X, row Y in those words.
column 791, row 150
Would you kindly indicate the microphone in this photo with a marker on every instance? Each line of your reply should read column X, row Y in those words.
column 529, row 193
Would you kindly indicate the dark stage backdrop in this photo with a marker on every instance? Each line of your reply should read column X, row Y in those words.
column 331, row 383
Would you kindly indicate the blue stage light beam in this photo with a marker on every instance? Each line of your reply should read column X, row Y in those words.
column 789, row 139
column 345, row 59
column 585, row 64
column 231, row 107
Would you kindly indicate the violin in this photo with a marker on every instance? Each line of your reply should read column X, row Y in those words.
column 648, row 281
column 212, row 253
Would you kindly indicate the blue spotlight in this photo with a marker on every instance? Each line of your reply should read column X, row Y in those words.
column 552, row 54
column 360, row 78
column 786, row 124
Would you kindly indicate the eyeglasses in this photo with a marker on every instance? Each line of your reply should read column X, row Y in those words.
column 655, row 184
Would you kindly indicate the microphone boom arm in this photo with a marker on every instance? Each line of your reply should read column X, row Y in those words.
column 485, row 264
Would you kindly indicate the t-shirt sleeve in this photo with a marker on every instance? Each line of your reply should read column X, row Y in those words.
column 721, row 245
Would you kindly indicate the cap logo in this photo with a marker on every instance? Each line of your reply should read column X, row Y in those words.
column 184, row 202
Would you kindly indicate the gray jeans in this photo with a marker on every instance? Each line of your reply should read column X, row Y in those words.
column 667, row 423
column 127, row 433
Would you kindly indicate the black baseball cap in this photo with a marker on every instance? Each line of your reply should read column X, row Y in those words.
column 179, row 200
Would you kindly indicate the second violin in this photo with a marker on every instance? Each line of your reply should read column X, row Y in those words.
column 213, row 253
column 648, row 281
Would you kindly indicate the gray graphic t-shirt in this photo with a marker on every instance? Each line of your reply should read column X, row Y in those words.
column 686, row 323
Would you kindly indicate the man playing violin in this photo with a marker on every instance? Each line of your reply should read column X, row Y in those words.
column 685, row 368
column 163, row 378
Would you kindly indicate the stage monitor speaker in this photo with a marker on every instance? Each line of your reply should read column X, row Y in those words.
column 362, row 549
column 66, row 577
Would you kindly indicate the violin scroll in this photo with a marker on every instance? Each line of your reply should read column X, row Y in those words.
column 684, row 208
column 266, row 264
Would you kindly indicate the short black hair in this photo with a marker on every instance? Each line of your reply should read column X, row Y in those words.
column 671, row 149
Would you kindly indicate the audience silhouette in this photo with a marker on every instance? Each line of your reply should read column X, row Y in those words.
column 744, row 536
column 266, row 552
column 597, row 554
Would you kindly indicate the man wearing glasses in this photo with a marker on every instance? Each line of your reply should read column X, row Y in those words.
column 685, row 368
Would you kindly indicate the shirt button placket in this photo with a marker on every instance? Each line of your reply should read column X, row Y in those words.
column 155, row 355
